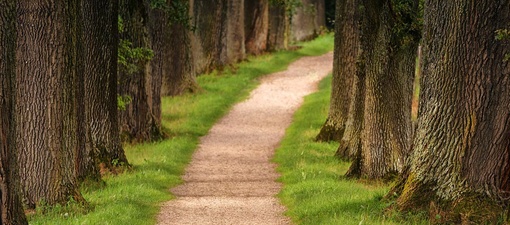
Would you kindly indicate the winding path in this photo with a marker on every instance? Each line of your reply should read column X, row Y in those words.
column 230, row 179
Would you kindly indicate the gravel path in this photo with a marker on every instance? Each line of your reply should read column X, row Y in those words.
column 230, row 179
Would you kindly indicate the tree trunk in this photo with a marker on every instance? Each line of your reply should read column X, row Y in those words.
column 277, row 27
column 461, row 156
column 344, row 70
column 11, row 209
column 137, row 121
column 233, row 27
column 256, row 26
column 172, row 65
column 100, row 29
column 218, row 40
column 160, row 64
column 48, row 113
column 320, row 16
column 308, row 19
column 206, row 41
column 389, row 62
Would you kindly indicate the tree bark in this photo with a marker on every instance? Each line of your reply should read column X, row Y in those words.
column 218, row 40
column 160, row 64
column 206, row 41
column 11, row 209
column 172, row 65
column 48, row 113
column 308, row 19
column 389, row 62
column 277, row 37
column 100, row 29
column 256, row 26
column 344, row 69
column 137, row 121
column 461, row 156
column 233, row 26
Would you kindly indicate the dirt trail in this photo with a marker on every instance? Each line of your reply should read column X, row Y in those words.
column 230, row 179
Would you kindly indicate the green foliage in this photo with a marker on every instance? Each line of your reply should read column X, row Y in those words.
column 501, row 35
column 129, row 58
column 177, row 12
column 123, row 101
column 408, row 15
column 291, row 6
column 315, row 191
column 135, row 197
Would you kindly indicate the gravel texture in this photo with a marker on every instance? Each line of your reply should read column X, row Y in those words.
column 230, row 179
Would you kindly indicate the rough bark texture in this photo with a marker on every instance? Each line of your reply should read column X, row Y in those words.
column 137, row 121
column 100, row 29
column 344, row 70
column 389, row 62
column 160, row 65
column 47, row 113
column 235, row 35
column 277, row 36
column 11, row 210
column 308, row 20
column 172, row 65
column 461, row 148
column 350, row 144
column 256, row 25
column 218, row 40
column 206, row 41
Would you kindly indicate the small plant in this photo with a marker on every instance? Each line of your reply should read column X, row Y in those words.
column 176, row 12
column 131, row 59
column 501, row 35
column 123, row 101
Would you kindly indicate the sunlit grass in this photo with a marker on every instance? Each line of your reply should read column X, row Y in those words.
column 135, row 196
column 315, row 191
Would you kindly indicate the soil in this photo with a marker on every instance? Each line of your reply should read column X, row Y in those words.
column 231, row 179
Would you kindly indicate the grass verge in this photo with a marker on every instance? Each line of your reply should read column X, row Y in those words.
column 134, row 197
column 315, row 191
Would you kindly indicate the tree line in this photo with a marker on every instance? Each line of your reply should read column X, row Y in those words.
column 79, row 78
column 453, row 161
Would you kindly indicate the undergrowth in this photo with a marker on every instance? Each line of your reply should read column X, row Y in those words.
column 315, row 191
column 134, row 197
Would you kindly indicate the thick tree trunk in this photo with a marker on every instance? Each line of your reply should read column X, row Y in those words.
column 235, row 46
column 219, row 37
column 389, row 62
column 11, row 209
column 48, row 115
column 308, row 20
column 206, row 41
column 344, row 70
column 137, row 121
column 172, row 65
column 461, row 147
column 277, row 27
column 350, row 144
column 320, row 16
column 256, row 26
column 160, row 64
column 100, row 29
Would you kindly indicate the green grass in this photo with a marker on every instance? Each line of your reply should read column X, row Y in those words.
column 315, row 191
column 134, row 197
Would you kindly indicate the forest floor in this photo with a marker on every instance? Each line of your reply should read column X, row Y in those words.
column 231, row 179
